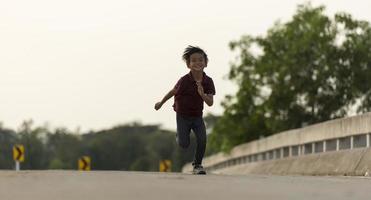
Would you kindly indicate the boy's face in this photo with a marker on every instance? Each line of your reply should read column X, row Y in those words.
column 197, row 62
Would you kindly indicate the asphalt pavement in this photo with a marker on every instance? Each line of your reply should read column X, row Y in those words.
column 119, row 185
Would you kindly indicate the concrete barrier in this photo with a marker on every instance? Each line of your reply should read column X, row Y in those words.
column 337, row 147
column 364, row 165
column 348, row 162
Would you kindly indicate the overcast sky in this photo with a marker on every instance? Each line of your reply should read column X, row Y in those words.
column 95, row 64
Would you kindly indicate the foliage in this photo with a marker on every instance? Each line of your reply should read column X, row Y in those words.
column 132, row 147
column 7, row 140
column 308, row 70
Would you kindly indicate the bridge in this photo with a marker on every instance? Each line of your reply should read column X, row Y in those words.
column 117, row 185
column 294, row 164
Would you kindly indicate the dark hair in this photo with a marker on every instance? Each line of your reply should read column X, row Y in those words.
column 191, row 50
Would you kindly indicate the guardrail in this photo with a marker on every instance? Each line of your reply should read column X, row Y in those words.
column 335, row 135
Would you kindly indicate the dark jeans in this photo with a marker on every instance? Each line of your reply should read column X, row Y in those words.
column 184, row 126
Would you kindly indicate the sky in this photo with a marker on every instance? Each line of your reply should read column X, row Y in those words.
column 93, row 64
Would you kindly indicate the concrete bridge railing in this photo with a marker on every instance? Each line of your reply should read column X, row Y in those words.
column 325, row 144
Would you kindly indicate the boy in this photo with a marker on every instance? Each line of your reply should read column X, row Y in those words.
column 191, row 91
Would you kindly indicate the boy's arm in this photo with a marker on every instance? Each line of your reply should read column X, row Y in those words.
column 170, row 94
column 208, row 98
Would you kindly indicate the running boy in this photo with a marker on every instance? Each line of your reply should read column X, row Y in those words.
column 191, row 91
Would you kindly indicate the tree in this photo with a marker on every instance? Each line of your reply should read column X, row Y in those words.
column 308, row 70
column 64, row 149
column 35, row 153
column 7, row 140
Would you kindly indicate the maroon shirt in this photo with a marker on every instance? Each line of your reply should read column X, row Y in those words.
column 187, row 101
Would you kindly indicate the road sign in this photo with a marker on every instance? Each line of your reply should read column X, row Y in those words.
column 18, row 153
column 165, row 166
column 84, row 163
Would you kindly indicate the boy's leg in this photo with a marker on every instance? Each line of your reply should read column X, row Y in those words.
column 183, row 131
column 200, row 131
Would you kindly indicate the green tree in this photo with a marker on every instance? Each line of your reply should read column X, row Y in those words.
column 63, row 149
column 36, row 156
column 308, row 70
column 133, row 147
column 7, row 140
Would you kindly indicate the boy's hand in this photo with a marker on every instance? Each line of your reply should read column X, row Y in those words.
column 200, row 89
column 158, row 105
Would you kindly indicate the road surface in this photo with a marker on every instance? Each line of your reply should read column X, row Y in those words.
column 118, row 185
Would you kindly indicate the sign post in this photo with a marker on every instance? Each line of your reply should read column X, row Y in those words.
column 18, row 156
column 17, row 166
column 165, row 166
column 84, row 163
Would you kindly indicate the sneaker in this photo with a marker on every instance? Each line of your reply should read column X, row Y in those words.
column 198, row 169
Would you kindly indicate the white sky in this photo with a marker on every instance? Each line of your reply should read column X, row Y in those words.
column 94, row 64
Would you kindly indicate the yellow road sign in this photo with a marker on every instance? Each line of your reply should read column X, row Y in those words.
column 84, row 163
column 18, row 153
column 165, row 166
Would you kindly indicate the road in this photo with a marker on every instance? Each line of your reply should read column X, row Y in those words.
column 117, row 185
